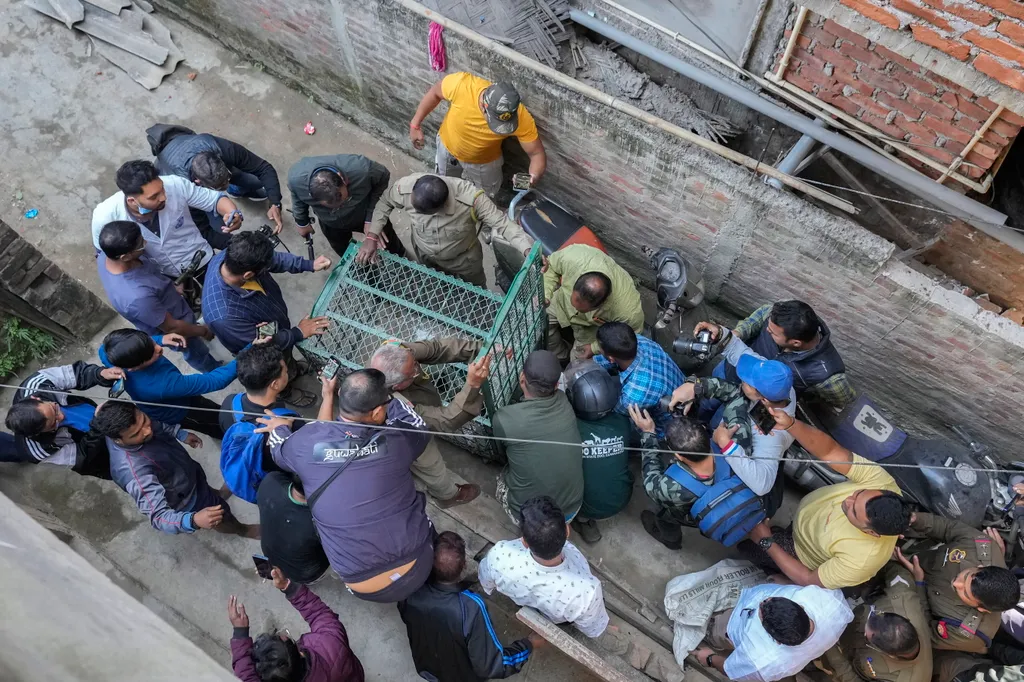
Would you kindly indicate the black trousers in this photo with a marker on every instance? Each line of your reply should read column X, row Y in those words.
column 339, row 238
column 206, row 420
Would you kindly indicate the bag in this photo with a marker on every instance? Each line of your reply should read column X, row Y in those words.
column 726, row 510
column 159, row 134
column 241, row 452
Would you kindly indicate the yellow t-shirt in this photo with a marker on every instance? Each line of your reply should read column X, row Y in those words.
column 464, row 130
column 826, row 540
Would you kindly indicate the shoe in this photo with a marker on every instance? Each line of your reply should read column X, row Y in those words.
column 656, row 531
column 467, row 493
column 587, row 530
column 235, row 192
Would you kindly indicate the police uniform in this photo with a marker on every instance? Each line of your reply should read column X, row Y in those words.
column 447, row 240
column 423, row 394
column 955, row 625
column 852, row 659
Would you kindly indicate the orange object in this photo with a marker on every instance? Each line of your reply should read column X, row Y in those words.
column 584, row 235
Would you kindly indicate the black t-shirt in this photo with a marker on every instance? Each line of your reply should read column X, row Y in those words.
column 289, row 538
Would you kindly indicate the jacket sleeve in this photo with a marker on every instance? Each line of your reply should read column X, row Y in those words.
column 151, row 499
column 389, row 202
column 300, row 209
column 79, row 376
column 234, row 332
column 490, row 660
column 241, row 658
column 290, row 262
column 943, row 529
column 195, row 196
column 659, row 487
column 379, row 179
column 748, row 329
column 444, row 350
column 237, row 156
column 275, row 441
column 185, row 385
column 467, row 404
column 493, row 217
column 215, row 238
column 839, row 666
column 837, row 392
column 327, row 636
column 757, row 472
column 553, row 275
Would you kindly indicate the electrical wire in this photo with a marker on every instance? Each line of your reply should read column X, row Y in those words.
column 480, row 436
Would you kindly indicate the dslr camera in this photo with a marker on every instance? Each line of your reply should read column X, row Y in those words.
column 700, row 347
column 268, row 231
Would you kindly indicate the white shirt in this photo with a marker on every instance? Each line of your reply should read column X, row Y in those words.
column 758, row 474
column 758, row 657
column 568, row 592
column 179, row 238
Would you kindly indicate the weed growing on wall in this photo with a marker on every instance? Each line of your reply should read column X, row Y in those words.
column 20, row 344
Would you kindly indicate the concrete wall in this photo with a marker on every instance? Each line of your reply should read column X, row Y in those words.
column 926, row 353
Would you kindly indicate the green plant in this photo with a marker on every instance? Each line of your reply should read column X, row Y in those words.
column 20, row 344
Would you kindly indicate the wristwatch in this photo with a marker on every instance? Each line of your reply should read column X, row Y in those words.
column 767, row 542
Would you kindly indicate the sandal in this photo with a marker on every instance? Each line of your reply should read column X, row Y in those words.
column 298, row 397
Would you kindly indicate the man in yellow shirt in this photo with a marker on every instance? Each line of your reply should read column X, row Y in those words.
column 842, row 534
column 480, row 115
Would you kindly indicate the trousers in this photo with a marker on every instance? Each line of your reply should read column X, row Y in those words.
column 486, row 176
column 430, row 468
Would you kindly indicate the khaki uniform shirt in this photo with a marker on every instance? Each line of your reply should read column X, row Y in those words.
column 954, row 624
column 422, row 393
column 853, row 659
column 447, row 240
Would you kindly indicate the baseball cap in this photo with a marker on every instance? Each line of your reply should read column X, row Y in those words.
column 771, row 378
column 501, row 108
column 542, row 369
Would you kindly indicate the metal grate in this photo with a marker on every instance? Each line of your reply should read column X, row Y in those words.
column 398, row 299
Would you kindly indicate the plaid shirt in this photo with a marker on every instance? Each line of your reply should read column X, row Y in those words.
column 651, row 375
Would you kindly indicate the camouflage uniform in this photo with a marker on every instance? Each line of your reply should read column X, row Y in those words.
column 736, row 410
column 673, row 500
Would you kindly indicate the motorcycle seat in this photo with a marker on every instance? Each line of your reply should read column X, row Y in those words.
column 554, row 227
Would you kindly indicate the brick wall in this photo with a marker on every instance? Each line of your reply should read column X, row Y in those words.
column 988, row 34
column 897, row 97
column 923, row 352
column 985, row 264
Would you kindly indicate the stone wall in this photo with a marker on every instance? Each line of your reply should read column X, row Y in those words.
column 929, row 355
column 38, row 291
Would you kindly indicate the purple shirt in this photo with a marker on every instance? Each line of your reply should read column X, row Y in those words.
column 144, row 296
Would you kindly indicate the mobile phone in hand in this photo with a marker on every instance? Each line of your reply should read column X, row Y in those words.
column 117, row 390
column 521, row 181
column 330, row 369
column 263, row 566
column 762, row 418
column 265, row 330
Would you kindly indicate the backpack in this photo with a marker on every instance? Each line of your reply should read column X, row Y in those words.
column 727, row 509
column 159, row 134
column 241, row 452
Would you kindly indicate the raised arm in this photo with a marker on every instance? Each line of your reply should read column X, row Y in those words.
column 490, row 215
column 821, row 445
column 430, row 100
column 538, row 159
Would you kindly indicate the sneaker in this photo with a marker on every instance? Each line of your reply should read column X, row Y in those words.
column 467, row 493
column 235, row 192
column 587, row 530
column 657, row 531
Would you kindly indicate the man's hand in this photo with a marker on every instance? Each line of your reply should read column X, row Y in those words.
column 642, row 419
column 701, row 653
column 174, row 341
column 304, row 230
column 997, row 539
column 536, row 641
column 416, row 136
column 232, row 221
column 274, row 213
column 236, row 613
column 193, row 441
column 321, row 263
column 783, row 421
column 716, row 331
column 207, row 332
column 683, row 394
column 723, row 434
column 479, row 370
column 914, row 567
column 209, row 517
column 271, row 422
column 329, row 387
column 760, row 531
column 280, row 582
column 367, row 251
column 313, row 326
column 543, row 268
column 111, row 373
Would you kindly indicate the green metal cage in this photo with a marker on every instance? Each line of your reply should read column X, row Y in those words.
column 396, row 298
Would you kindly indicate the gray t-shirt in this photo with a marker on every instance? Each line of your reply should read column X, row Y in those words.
column 144, row 295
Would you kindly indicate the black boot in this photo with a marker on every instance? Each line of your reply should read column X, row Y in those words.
column 668, row 534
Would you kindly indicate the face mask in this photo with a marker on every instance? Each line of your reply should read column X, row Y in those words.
column 143, row 210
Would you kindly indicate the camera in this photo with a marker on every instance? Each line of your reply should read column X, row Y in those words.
column 268, row 231
column 679, row 410
column 700, row 347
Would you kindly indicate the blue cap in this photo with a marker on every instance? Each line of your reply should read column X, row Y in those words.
column 771, row 378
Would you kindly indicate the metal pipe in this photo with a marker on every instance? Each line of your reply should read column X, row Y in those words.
column 798, row 153
column 980, row 216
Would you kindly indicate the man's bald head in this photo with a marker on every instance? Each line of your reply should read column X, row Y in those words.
column 449, row 557
column 361, row 393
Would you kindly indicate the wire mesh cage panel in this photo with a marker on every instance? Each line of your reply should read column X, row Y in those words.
column 398, row 299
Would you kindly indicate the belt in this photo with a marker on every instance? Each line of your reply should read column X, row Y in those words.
column 381, row 581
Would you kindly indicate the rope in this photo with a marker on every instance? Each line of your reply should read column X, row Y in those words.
column 480, row 436
column 437, row 58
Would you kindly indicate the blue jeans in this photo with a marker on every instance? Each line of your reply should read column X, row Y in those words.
column 197, row 355
column 8, row 452
column 241, row 184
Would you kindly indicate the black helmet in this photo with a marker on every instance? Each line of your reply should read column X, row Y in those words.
column 591, row 390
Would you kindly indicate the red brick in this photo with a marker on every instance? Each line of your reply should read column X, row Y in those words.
column 818, row 77
column 968, row 108
column 883, row 81
column 799, row 81
column 940, row 155
column 839, row 101
column 947, row 129
column 920, row 131
column 919, row 84
column 953, row 147
column 851, row 79
column 995, row 139
column 1012, row 30
column 975, row 16
column 900, row 105
column 886, row 53
column 878, row 14
column 986, row 104
column 806, row 57
column 870, row 106
column 949, row 99
column 878, row 122
column 954, row 48
column 1004, row 74
column 940, row 81
column 999, row 48
column 978, row 160
column 835, row 58
column 866, row 57
column 801, row 41
column 1004, row 128
column 922, row 13
column 846, row 34
column 820, row 34
column 1012, row 117
column 971, row 125
column 987, row 151
column 1011, row 7
column 930, row 106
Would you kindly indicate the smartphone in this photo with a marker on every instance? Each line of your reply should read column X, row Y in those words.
column 762, row 418
column 521, row 181
column 265, row 330
column 263, row 566
column 330, row 369
column 117, row 389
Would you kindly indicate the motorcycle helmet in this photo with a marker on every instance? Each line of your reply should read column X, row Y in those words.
column 591, row 390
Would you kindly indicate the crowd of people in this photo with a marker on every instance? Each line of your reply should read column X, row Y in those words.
column 337, row 491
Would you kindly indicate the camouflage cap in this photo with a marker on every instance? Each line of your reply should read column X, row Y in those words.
column 501, row 108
